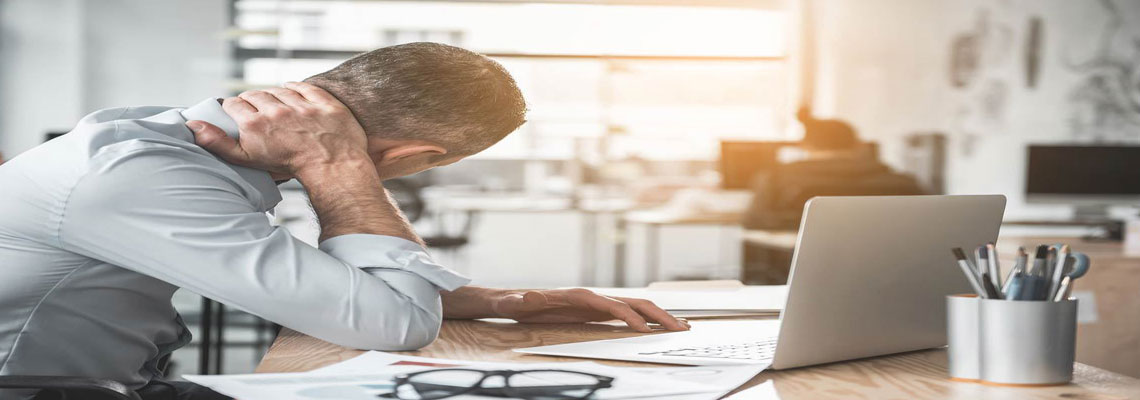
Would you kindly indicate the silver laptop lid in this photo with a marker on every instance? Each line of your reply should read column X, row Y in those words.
column 870, row 274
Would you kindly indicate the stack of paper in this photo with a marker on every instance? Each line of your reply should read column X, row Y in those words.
column 705, row 299
column 370, row 376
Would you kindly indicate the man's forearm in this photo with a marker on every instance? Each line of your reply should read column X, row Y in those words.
column 471, row 302
column 349, row 198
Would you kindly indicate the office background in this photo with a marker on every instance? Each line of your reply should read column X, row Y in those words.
column 616, row 180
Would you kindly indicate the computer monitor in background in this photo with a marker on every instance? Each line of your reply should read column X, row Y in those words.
column 741, row 160
column 1091, row 178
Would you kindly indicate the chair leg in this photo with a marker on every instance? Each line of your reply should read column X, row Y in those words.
column 204, row 332
column 219, row 338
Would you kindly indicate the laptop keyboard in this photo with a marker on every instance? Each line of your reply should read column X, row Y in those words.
column 761, row 351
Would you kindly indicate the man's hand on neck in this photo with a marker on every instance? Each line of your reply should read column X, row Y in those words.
column 303, row 132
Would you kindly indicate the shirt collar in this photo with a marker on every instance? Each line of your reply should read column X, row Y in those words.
column 210, row 110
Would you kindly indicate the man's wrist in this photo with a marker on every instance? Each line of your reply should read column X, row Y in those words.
column 351, row 165
column 470, row 302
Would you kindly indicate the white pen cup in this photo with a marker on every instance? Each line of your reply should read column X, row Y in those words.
column 1027, row 342
column 962, row 337
column 1008, row 342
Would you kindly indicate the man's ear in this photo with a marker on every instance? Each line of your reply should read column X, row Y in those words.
column 406, row 150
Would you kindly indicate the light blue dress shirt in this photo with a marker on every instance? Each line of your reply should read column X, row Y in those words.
column 100, row 226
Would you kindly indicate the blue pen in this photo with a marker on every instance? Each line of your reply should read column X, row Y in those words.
column 1031, row 289
column 1014, row 285
column 1039, row 287
column 1017, row 267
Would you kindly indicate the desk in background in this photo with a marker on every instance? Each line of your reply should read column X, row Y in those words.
column 550, row 241
column 648, row 224
column 914, row 375
column 766, row 256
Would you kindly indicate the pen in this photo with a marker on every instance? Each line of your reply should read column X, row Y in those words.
column 988, row 285
column 1040, row 288
column 1018, row 265
column 980, row 264
column 1014, row 285
column 1038, row 260
column 1045, row 276
column 1033, row 268
column 995, row 268
column 1050, row 261
column 971, row 274
column 1063, row 289
column 1058, row 271
column 1081, row 266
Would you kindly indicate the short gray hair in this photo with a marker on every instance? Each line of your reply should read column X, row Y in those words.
column 462, row 100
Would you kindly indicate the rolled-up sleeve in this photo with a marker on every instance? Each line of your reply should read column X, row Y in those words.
column 378, row 254
column 182, row 217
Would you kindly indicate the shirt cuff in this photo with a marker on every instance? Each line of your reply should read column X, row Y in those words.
column 389, row 252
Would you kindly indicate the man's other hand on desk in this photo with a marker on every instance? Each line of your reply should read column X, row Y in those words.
column 555, row 306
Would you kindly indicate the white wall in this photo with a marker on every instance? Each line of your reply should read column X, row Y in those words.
column 41, row 75
column 66, row 58
column 884, row 66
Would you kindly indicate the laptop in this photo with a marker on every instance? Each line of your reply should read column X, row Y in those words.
column 869, row 277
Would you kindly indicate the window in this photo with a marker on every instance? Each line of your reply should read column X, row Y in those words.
column 656, row 82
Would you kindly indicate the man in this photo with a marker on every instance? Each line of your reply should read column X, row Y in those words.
column 834, row 163
column 102, row 225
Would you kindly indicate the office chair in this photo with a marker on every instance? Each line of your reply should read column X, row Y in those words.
column 70, row 387
column 74, row 387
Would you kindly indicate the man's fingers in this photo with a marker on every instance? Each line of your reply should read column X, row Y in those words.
column 289, row 97
column 617, row 309
column 215, row 140
column 656, row 314
column 623, row 312
column 237, row 106
column 261, row 100
column 313, row 93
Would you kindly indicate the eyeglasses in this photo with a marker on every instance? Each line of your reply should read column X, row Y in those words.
column 527, row 384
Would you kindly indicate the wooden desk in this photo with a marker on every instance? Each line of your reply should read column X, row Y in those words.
column 916, row 375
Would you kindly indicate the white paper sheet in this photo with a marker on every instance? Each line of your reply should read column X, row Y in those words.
column 371, row 374
column 726, row 377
